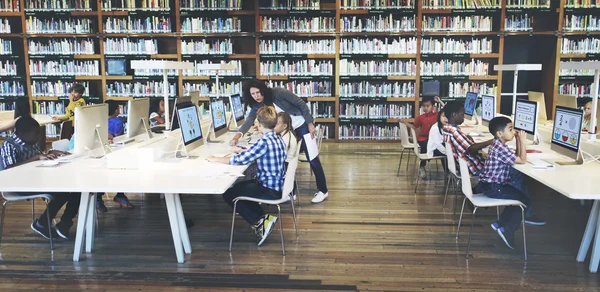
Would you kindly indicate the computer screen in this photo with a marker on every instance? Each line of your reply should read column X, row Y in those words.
column 238, row 109
column 526, row 116
column 470, row 103
column 116, row 67
column 431, row 88
column 217, row 110
column 488, row 107
column 567, row 128
column 189, row 122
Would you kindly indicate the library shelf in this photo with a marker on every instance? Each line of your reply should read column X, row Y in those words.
column 325, row 120
column 10, row 13
column 463, row 11
column 322, row 98
column 61, row 35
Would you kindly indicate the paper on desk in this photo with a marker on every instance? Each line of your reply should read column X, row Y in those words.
column 311, row 146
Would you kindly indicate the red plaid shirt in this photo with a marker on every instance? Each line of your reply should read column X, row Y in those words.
column 460, row 142
column 498, row 163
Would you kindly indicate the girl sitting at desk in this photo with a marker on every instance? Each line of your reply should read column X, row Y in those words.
column 587, row 116
column 157, row 113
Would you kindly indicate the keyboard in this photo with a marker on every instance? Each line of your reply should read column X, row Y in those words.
column 69, row 158
column 123, row 141
column 539, row 163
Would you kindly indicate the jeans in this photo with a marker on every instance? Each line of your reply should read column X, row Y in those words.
column 315, row 164
column 423, row 148
column 59, row 200
column 250, row 211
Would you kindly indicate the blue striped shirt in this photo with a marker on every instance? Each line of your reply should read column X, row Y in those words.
column 269, row 154
column 14, row 151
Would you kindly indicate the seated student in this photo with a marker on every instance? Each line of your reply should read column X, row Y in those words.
column 587, row 116
column 21, row 148
column 435, row 143
column 157, row 112
column 423, row 124
column 22, row 108
column 495, row 179
column 269, row 154
column 285, row 130
column 75, row 100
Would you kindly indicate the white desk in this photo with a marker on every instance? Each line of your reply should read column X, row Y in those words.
column 90, row 176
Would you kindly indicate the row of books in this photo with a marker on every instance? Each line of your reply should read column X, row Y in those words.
column 305, row 88
column 12, row 88
column 5, row 26
column 10, row 5
column 5, row 47
column 139, row 89
column 144, row 5
column 370, row 132
column 36, row 24
column 8, row 68
column 321, row 109
column 377, row 4
column 210, row 88
column 528, row 3
column 519, row 22
column 580, row 46
column 57, row 5
column 377, row 89
column 198, row 71
column 454, row 68
column 64, row 67
column 579, row 72
column 456, row 46
column 297, row 24
column 581, row 23
column 150, row 24
column 378, row 46
column 290, row 4
column 458, row 23
column 579, row 90
column 49, row 107
column 56, row 46
column 582, row 4
column 375, row 111
column 460, row 4
column 154, row 72
column 296, row 68
column 55, row 88
column 7, row 106
column 210, row 4
column 206, row 46
column 459, row 90
column 126, row 46
column 292, row 46
column 379, row 23
column 211, row 25
column 378, row 68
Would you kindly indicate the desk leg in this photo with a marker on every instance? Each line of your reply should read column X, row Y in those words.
column 185, row 238
column 90, row 224
column 595, row 259
column 175, row 231
column 81, row 225
column 590, row 228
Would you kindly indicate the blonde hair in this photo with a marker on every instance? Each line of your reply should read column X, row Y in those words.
column 587, row 117
column 286, row 119
column 267, row 117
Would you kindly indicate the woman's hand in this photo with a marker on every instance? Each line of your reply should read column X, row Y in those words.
column 311, row 129
column 235, row 139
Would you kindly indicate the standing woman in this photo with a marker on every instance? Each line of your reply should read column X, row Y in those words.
column 257, row 94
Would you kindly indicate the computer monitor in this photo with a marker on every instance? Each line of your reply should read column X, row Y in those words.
column 470, row 103
column 526, row 113
column 541, row 100
column 137, row 117
column 237, row 110
column 116, row 67
column 488, row 109
column 218, row 119
column 431, row 88
column 91, row 128
column 566, row 134
column 191, row 129
column 566, row 100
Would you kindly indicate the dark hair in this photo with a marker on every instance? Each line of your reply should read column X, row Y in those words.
column 439, row 120
column 77, row 87
column 498, row 124
column 25, row 125
column 452, row 107
column 22, row 108
column 113, row 106
column 155, row 105
column 427, row 99
column 266, row 92
column 287, row 119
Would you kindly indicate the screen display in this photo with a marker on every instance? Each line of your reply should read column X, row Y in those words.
column 526, row 116
column 488, row 107
column 238, row 110
column 217, row 110
column 470, row 103
column 431, row 88
column 567, row 127
column 189, row 122
column 115, row 67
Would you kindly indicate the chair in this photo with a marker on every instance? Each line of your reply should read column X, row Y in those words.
column 14, row 197
column 406, row 145
column 453, row 176
column 421, row 156
column 66, row 130
column 481, row 201
column 296, row 191
column 286, row 195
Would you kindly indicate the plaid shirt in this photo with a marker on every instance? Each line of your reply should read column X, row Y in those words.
column 460, row 142
column 269, row 154
column 497, row 165
column 14, row 151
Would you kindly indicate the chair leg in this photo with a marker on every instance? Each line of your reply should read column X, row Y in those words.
column 232, row 224
column 416, row 176
column 297, row 192
column 460, row 218
column 524, row 237
column 294, row 214
column 437, row 166
column 281, row 230
column 455, row 198
column 471, row 231
column 32, row 210
column 408, row 159
column 2, row 220
column 400, row 163
column 49, row 226
column 447, row 187
column 497, row 213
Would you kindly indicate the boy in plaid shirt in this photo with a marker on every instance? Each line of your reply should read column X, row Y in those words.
column 270, row 154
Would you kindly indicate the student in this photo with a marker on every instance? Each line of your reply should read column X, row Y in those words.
column 22, row 108
column 157, row 112
column 495, row 180
column 435, row 142
column 285, row 130
column 257, row 94
column 75, row 100
column 587, row 116
column 21, row 148
column 269, row 154
column 423, row 124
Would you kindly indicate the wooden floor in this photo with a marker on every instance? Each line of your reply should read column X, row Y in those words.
column 373, row 234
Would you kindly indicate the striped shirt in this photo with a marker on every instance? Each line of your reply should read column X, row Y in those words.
column 460, row 142
column 269, row 154
column 14, row 151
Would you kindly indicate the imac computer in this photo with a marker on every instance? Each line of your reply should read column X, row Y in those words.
column 488, row 109
column 541, row 100
column 137, row 118
column 566, row 134
column 526, row 114
column 91, row 129
column 566, row 100
column 218, row 120
column 470, row 103
column 191, row 130
column 237, row 112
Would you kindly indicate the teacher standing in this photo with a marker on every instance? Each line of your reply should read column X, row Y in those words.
column 256, row 94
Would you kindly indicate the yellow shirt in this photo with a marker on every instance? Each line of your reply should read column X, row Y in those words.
column 70, row 110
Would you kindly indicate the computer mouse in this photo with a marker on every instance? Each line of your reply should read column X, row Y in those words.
column 50, row 163
column 474, row 134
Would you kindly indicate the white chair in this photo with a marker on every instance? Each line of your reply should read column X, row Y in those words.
column 286, row 195
column 482, row 201
column 296, row 190
column 406, row 144
column 13, row 197
column 453, row 176
column 422, row 156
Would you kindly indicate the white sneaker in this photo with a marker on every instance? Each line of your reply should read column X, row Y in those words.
column 320, row 197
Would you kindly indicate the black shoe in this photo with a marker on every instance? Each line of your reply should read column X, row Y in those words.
column 100, row 205
column 507, row 236
column 533, row 220
column 43, row 230
column 62, row 229
column 189, row 223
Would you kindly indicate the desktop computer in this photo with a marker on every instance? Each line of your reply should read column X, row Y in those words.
column 237, row 112
column 569, row 101
column 91, row 128
column 137, row 118
column 116, row 67
column 566, row 134
column 488, row 109
column 526, row 115
column 218, row 120
column 191, row 130
column 541, row 101
column 470, row 103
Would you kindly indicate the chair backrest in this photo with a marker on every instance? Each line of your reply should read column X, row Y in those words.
column 290, row 177
column 61, row 145
column 66, row 130
column 465, row 178
column 298, row 148
column 404, row 136
column 450, row 159
column 414, row 144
